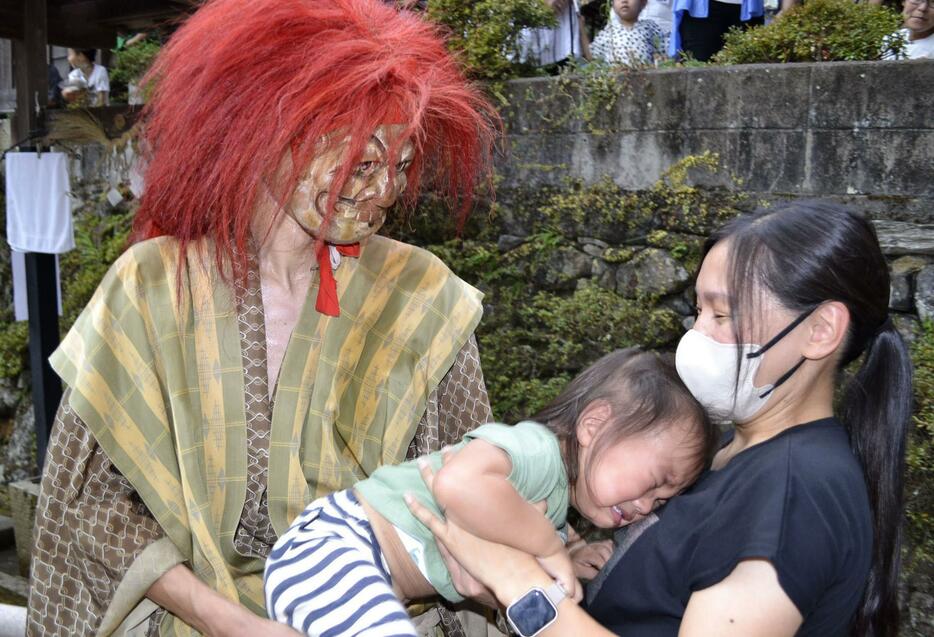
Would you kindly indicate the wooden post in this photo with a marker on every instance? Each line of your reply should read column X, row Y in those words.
column 42, row 298
column 31, row 75
column 30, row 57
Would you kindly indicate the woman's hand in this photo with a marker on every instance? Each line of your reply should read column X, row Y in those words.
column 465, row 583
column 588, row 559
column 560, row 567
column 506, row 571
column 510, row 573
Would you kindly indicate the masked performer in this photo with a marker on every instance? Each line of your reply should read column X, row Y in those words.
column 259, row 346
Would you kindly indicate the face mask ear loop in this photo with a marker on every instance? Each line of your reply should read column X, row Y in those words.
column 795, row 323
column 783, row 378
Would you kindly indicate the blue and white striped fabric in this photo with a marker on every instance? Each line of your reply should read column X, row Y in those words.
column 326, row 575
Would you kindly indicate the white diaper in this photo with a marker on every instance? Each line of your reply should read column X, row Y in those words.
column 416, row 550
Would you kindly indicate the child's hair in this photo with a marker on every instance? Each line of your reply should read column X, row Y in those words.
column 643, row 391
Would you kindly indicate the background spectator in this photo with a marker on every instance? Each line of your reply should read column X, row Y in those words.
column 627, row 39
column 556, row 46
column 55, row 93
column 86, row 76
column 660, row 12
column 919, row 28
column 699, row 25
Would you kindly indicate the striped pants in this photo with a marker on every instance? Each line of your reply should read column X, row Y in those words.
column 326, row 575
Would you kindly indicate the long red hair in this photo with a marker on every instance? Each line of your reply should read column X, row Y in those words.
column 243, row 82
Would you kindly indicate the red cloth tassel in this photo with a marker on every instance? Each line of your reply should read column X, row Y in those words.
column 327, row 302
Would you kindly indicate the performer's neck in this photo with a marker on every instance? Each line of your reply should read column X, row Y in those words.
column 285, row 250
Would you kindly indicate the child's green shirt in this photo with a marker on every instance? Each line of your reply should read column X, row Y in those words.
column 538, row 473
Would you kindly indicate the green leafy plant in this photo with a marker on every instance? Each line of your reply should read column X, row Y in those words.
column 818, row 31
column 486, row 32
column 129, row 65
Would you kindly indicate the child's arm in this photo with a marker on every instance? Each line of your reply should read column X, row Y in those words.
column 473, row 491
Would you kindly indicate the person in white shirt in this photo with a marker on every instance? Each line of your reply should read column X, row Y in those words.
column 547, row 46
column 659, row 12
column 919, row 28
column 628, row 39
column 86, row 76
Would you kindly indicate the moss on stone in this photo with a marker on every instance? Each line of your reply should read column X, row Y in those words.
column 920, row 461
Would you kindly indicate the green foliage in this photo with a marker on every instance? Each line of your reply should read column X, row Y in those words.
column 100, row 237
column 14, row 349
column 540, row 329
column 14, row 337
column 485, row 32
column 594, row 89
column 920, row 461
column 672, row 203
column 818, row 31
column 129, row 65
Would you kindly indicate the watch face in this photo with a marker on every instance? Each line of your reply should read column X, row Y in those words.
column 531, row 613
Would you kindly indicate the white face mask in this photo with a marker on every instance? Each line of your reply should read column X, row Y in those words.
column 708, row 369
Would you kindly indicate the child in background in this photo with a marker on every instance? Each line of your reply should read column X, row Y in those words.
column 626, row 39
column 621, row 439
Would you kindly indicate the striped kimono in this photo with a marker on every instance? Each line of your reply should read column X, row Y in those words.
column 169, row 450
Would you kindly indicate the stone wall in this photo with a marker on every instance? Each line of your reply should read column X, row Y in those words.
column 857, row 133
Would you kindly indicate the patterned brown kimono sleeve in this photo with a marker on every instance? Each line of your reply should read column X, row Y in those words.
column 458, row 405
column 90, row 527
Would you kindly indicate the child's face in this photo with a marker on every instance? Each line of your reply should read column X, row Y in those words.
column 628, row 10
column 623, row 483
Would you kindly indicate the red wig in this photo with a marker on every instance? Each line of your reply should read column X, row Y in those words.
column 243, row 82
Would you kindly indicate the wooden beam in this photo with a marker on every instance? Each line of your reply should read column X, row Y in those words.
column 93, row 23
column 31, row 68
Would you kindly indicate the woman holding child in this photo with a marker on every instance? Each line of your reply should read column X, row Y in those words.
column 794, row 529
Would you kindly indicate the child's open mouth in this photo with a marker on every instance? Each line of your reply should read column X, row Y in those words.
column 619, row 516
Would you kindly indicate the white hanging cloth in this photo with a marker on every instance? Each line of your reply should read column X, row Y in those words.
column 38, row 210
column 20, row 303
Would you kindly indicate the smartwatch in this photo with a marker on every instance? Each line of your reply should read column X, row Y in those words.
column 536, row 610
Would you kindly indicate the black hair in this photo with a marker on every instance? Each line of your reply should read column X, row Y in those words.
column 643, row 391
column 90, row 54
column 807, row 253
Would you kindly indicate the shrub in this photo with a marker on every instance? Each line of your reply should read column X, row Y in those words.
column 100, row 237
column 818, row 31
column 486, row 32
column 538, row 329
column 129, row 65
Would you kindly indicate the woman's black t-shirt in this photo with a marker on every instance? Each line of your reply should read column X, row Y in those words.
column 798, row 500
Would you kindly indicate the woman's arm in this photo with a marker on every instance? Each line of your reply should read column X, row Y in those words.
column 508, row 572
column 749, row 601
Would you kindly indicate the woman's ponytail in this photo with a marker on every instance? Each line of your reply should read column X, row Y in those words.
column 876, row 410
